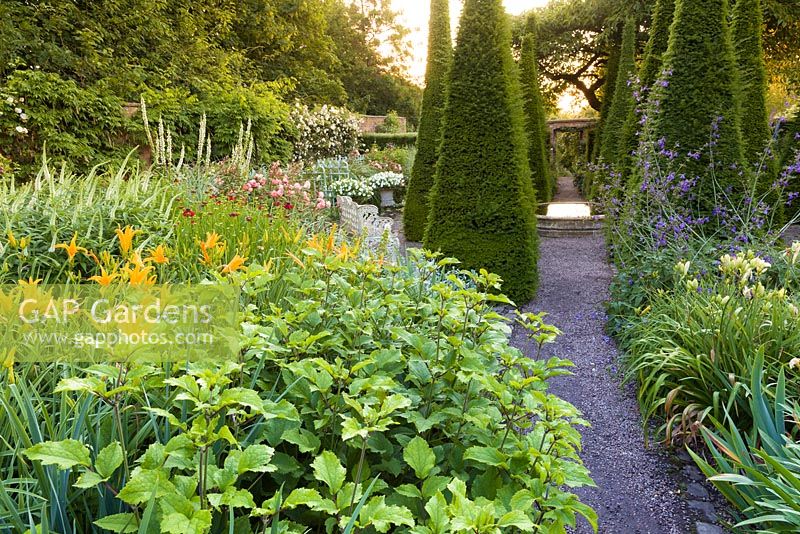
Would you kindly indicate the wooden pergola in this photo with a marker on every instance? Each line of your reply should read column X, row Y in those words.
column 582, row 126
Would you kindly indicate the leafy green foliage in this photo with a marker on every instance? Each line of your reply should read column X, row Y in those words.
column 758, row 471
column 429, row 135
column 697, row 107
column 367, row 397
column 695, row 345
column 74, row 123
column 482, row 202
column 535, row 119
column 748, row 27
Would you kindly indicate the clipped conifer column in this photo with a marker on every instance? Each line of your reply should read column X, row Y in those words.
column 748, row 25
column 696, row 109
column 612, row 142
column 535, row 120
column 440, row 51
column 482, row 202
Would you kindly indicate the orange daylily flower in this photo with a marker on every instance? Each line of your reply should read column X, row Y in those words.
column 211, row 243
column 140, row 276
column 212, row 240
column 234, row 265
column 158, row 255
column 104, row 278
column 72, row 248
column 125, row 237
column 296, row 260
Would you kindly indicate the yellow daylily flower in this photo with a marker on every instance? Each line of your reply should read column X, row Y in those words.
column 104, row 278
column 11, row 239
column 140, row 276
column 72, row 247
column 30, row 282
column 158, row 255
column 8, row 362
column 234, row 265
column 125, row 237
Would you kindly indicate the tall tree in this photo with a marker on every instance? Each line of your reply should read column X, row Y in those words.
column 535, row 120
column 482, row 202
column 612, row 143
column 697, row 108
column 748, row 27
column 440, row 53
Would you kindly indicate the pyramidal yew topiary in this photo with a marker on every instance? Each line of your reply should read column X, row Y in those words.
column 535, row 120
column 609, row 85
column 649, row 73
column 612, row 143
column 696, row 109
column 748, row 25
column 483, row 203
column 440, row 52
column 657, row 43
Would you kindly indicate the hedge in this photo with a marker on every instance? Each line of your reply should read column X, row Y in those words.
column 383, row 140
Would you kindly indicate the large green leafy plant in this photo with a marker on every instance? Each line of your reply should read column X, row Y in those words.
column 368, row 397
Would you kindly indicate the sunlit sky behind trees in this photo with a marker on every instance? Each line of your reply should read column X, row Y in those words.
column 414, row 15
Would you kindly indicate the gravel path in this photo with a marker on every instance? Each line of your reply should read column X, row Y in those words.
column 638, row 489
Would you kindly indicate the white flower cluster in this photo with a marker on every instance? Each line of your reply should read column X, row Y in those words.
column 323, row 133
column 352, row 187
column 387, row 180
column 12, row 109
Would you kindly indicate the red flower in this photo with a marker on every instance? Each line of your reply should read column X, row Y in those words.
column 288, row 206
column 188, row 212
column 234, row 214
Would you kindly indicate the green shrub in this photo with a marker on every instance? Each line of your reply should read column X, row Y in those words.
column 354, row 405
column 748, row 27
column 440, row 52
column 609, row 84
column 535, row 120
column 390, row 124
column 227, row 109
column 482, row 202
column 695, row 107
column 82, row 125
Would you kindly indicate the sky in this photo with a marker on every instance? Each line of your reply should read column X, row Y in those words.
column 414, row 15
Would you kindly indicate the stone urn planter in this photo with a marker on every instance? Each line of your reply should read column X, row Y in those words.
column 387, row 197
